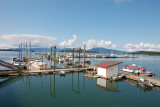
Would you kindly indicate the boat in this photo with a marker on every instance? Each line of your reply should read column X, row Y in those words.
column 118, row 77
column 62, row 73
column 18, row 62
column 38, row 63
column 144, row 83
column 137, row 69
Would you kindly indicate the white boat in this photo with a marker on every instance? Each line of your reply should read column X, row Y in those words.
column 118, row 77
column 137, row 69
column 62, row 73
column 18, row 62
column 144, row 83
column 39, row 64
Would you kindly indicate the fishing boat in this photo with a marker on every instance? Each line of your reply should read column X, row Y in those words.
column 118, row 77
column 144, row 83
column 137, row 69
column 38, row 63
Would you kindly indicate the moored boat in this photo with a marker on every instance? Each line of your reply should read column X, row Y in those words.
column 136, row 69
column 18, row 62
column 144, row 83
column 39, row 64
column 118, row 77
column 62, row 73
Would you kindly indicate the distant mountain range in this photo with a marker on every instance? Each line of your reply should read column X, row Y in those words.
column 93, row 50
column 106, row 51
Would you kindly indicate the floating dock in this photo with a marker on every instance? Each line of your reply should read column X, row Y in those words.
column 33, row 71
column 153, row 80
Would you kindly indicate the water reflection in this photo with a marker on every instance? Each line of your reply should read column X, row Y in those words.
column 73, row 81
column 73, row 88
column 52, row 92
column 135, row 83
column 107, row 85
column 8, row 81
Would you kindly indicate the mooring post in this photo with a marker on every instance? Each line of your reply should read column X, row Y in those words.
column 54, row 58
column 84, row 56
column 79, row 58
column 73, row 58
column 29, row 55
column 26, row 50
column 51, row 58
column 21, row 51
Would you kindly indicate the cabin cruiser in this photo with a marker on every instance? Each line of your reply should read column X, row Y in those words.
column 38, row 63
column 136, row 69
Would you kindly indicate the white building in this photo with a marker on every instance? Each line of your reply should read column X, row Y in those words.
column 108, row 69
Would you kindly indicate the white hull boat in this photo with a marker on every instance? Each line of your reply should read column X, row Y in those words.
column 144, row 83
column 118, row 77
column 39, row 64
column 62, row 73
column 136, row 69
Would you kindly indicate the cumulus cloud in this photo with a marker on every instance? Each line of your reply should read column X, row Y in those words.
column 13, row 40
column 141, row 47
column 68, row 43
column 104, row 44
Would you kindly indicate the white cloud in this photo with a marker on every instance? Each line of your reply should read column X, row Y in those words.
column 13, row 40
column 141, row 47
column 68, row 43
column 120, row 1
column 105, row 44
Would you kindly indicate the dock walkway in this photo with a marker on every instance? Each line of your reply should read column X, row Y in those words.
column 154, row 81
column 33, row 70
column 10, row 66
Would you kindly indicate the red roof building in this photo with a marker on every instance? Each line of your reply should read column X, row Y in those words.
column 108, row 69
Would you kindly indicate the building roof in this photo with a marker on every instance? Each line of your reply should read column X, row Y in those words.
column 108, row 64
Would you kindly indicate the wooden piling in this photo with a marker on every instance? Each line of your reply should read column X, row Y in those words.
column 21, row 51
column 54, row 58
column 84, row 56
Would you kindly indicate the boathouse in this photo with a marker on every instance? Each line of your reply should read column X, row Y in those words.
column 108, row 69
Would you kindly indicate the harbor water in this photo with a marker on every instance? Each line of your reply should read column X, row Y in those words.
column 75, row 90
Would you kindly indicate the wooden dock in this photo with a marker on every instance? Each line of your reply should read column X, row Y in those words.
column 33, row 71
column 153, row 80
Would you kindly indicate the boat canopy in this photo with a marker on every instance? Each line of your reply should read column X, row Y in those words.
column 134, row 67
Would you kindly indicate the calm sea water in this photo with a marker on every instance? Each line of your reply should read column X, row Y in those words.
column 74, row 90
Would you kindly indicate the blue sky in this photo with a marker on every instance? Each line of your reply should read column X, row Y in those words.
column 120, row 24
